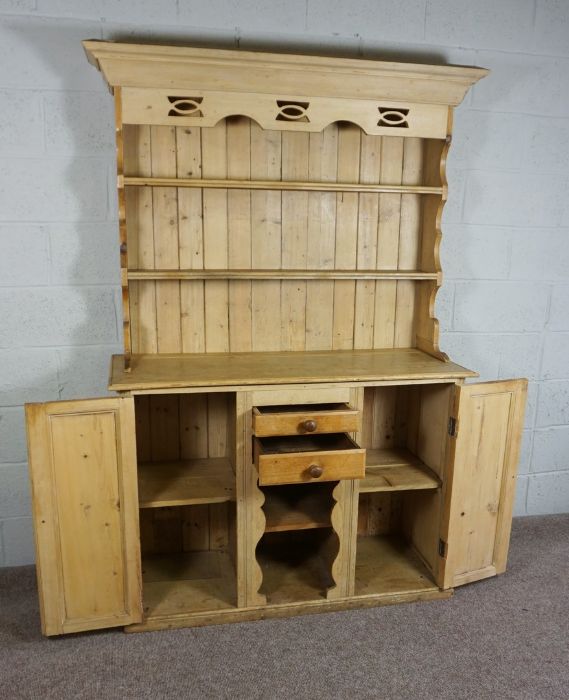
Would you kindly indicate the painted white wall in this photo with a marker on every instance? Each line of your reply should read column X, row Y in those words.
column 504, row 308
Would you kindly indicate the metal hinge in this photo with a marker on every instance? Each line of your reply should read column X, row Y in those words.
column 442, row 548
column 452, row 426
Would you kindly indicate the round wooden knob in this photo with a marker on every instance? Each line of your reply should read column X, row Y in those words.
column 310, row 426
column 315, row 471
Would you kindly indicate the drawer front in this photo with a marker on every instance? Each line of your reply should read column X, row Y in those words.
column 307, row 420
column 309, row 467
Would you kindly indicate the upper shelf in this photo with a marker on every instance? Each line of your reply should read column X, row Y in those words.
column 303, row 186
column 163, row 372
column 277, row 274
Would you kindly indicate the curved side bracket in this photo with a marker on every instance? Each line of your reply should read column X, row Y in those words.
column 427, row 338
column 250, row 515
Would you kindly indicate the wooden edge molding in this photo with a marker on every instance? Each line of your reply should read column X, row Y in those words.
column 146, row 65
column 218, row 617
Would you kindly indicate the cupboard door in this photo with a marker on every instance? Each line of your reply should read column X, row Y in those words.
column 82, row 458
column 481, row 480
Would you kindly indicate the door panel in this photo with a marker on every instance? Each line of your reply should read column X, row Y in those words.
column 481, row 480
column 83, row 470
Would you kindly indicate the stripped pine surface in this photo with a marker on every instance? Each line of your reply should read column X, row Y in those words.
column 173, row 429
column 182, row 228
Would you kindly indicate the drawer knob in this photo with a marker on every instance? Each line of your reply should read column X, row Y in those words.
column 310, row 426
column 315, row 471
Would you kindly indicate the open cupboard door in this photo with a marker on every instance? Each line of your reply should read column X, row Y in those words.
column 82, row 458
column 485, row 435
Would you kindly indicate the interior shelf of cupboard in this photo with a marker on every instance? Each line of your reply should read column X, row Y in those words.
column 386, row 563
column 297, row 507
column 396, row 470
column 185, row 482
column 160, row 372
column 182, row 582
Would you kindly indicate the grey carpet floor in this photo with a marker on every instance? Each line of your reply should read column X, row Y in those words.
column 506, row 637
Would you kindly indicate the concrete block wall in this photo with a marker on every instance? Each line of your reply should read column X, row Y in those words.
column 504, row 308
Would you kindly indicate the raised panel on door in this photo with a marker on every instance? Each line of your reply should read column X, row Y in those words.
column 82, row 458
column 481, row 480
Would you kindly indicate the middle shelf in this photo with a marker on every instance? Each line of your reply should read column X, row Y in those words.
column 211, row 480
column 396, row 469
column 281, row 274
column 298, row 507
column 185, row 482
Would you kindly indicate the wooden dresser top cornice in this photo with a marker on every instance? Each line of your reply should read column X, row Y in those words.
column 152, row 66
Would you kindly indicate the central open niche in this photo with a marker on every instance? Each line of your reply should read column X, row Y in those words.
column 400, row 503
column 186, row 485
column 299, row 546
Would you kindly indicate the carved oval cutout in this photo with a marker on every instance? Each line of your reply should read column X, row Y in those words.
column 292, row 111
column 185, row 106
column 391, row 116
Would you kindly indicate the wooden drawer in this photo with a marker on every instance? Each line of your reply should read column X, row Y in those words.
column 305, row 419
column 308, row 458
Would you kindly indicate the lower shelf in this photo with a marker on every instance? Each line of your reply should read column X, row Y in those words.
column 296, row 567
column 194, row 589
column 187, row 582
column 387, row 564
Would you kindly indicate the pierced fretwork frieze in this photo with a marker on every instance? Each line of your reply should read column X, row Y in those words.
column 393, row 117
column 281, row 112
column 292, row 111
column 185, row 106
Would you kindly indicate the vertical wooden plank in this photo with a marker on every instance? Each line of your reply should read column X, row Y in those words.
column 344, row 520
column 409, row 244
column 190, row 226
column 322, row 166
column 142, row 418
column 140, row 233
column 384, row 418
column 217, row 415
column 166, row 243
column 218, row 526
column 388, row 244
column 367, row 241
column 266, row 208
column 164, row 427
column 347, row 205
column 193, row 426
column 195, row 528
column 214, row 165
column 250, row 515
column 294, row 241
column 167, row 526
column 123, row 248
column 239, row 233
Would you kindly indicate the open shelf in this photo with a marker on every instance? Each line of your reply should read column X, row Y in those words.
column 296, row 566
column 185, row 582
column 387, row 564
column 167, row 371
column 396, row 470
column 275, row 274
column 290, row 185
column 298, row 507
column 185, row 482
